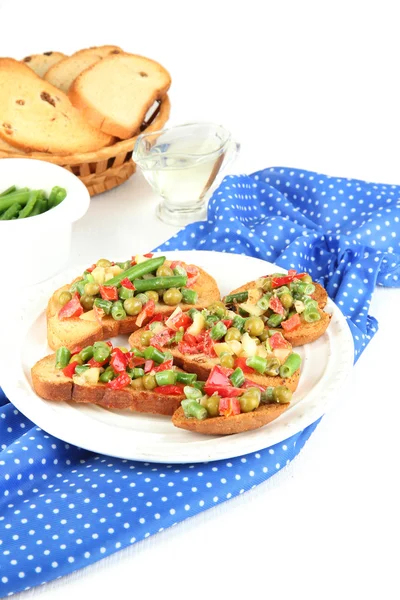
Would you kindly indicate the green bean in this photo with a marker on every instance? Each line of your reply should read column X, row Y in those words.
column 79, row 369
column 36, row 209
column 8, row 191
column 159, row 283
column 80, row 286
column 137, row 372
column 152, row 353
column 142, row 298
column 239, row 323
column 105, row 305
column 187, row 378
column 311, row 314
column 211, row 320
column 56, row 196
column 267, row 396
column 137, row 353
column 192, row 312
column 138, row 270
column 63, row 356
column 107, row 375
column 290, row 366
column 263, row 303
column 273, row 365
column 236, row 298
column 117, row 311
column 218, row 331
column 18, row 197
column 180, row 271
column 275, row 320
column 237, row 377
column 189, row 296
column 26, row 211
column 258, row 363
column 124, row 265
column 192, row 392
column 43, row 205
column 199, row 385
column 309, row 302
column 11, row 212
column 191, row 408
column 166, row 377
column 86, row 353
column 125, row 293
column 100, row 352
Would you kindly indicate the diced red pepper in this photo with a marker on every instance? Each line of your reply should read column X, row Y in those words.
column 90, row 269
column 192, row 271
column 133, row 261
column 276, row 306
column 147, row 312
column 169, row 390
column 119, row 382
column 161, row 339
column 148, row 255
column 158, row 318
column 108, row 292
column 227, row 322
column 148, row 366
column 190, row 339
column 291, row 323
column 168, row 364
column 224, row 391
column 94, row 363
column 208, row 344
column 134, row 361
column 277, row 341
column 127, row 283
column 109, row 343
column 241, row 363
column 178, row 319
column 229, row 407
column 69, row 370
column 118, row 361
column 76, row 350
column 73, row 308
column 285, row 279
column 218, row 377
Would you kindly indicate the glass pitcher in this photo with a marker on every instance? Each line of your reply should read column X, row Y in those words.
column 181, row 164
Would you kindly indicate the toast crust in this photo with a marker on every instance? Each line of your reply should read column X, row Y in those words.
column 41, row 63
column 87, row 330
column 263, row 415
column 306, row 332
column 202, row 366
column 51, row 384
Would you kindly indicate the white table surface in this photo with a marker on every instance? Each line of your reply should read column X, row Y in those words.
column 303, row 84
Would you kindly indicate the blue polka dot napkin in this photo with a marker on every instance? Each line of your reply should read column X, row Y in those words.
column 62, row 508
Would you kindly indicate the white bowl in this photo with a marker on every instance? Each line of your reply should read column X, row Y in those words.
column 36, row 248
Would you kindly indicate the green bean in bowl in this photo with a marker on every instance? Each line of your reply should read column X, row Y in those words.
column 20, row 203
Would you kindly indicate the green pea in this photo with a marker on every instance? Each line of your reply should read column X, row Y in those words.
column 233, row 334
column 307, row 278
column 164, row 271
column 227, row 360
column 87, row 302
column 212, row 406
column 254, row 326
column 282, row 394
column 132, row 306
column 137, row 384
column 152, row 295
column 145, row 338
column 250, row 400
column 103, row 262
column 149, row 382
column 286, row 300
column 172, row 297
column 64, row 297
column 91, row 289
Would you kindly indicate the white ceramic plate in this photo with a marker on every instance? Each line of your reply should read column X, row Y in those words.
column 326, row 364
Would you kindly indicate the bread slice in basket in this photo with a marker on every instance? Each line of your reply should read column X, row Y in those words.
column 37, row 116
column 41, row 63
column 62, row 74
column 116, row 93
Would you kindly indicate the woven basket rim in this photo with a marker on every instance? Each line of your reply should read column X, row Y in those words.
column 103, row 153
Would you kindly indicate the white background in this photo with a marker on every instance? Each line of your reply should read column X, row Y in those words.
column 305, row 84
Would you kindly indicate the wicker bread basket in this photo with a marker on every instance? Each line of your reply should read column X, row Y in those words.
column 106, row 168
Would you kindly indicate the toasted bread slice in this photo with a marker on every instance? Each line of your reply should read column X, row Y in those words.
column 6, row 147
column 51, row 384
column 64, row 72
column 86, row 329
column 202, row 366
column 307, row 332
column 115, row 93
column 41, row 63
column 37, row 116
column 263, row 415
